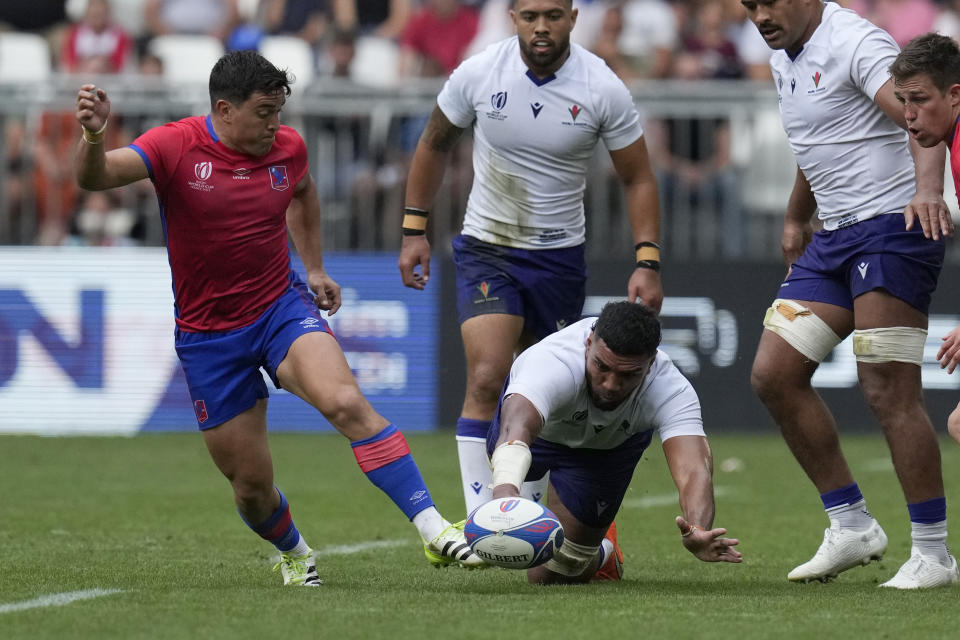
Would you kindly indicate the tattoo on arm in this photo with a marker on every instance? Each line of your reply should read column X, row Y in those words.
column 440, row 134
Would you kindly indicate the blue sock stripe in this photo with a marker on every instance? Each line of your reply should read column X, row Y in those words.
column 844, row 495
column 274, row 518
column 928, row 511
column 472, row 428
column 402, row 482
column 388, row 431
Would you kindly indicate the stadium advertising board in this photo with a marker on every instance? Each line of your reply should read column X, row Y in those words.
column 86, row 344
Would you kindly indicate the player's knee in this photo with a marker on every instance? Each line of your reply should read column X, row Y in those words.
column 344, row 405
column 953, row 424
column 485, row 381
column 801, row 329
column 252, row 491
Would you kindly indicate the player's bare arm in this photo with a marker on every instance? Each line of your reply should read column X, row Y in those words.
column 303, row 222
column 927, row 207
column 520, row 423
column 797, row 229
column 96, row 168
column 426, row 175
column 691, row 465
column 632, row 164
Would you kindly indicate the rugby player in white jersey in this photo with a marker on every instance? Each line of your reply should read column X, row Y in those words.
column 871, row 270
column 584, row 404
column 538, row 106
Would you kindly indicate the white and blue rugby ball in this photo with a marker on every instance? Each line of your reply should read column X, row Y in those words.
column 514, row 533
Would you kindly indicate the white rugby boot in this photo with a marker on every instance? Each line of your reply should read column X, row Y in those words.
column 298, row 570
column 841, row 549
column 923, row 572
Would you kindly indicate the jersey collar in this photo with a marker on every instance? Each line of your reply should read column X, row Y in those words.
column 213, row 134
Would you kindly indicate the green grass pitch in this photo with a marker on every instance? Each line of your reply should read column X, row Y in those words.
column 151, row 518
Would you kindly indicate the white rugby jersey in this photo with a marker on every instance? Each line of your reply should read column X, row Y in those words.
column 532, row 141
column 551, row 375
column 856, row 159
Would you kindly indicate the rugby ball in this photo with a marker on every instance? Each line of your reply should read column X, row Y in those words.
column 514, row 533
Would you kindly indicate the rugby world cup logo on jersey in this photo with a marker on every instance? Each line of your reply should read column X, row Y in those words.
column 498, row 101
column 202, row 172
column 278, row 177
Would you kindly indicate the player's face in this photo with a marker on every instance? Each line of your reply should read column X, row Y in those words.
column 785, row 24
column 931, row 116
column 252, row 125
column 543, row 29
column 611, row 378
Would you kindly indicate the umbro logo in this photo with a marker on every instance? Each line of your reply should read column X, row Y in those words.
column 862, row 268
column 418, row 495
column 306, row 323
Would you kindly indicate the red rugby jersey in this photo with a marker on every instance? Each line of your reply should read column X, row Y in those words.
column 224, row 218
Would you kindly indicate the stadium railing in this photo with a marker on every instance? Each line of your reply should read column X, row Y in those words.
column 724, row 166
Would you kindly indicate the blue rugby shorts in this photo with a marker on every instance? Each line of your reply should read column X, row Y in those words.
column 546, row 287
column 223, row 368
column 878, row 253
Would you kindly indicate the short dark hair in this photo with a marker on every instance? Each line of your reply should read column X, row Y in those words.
column 931, row 54
column 239, row 74
column 628, row 329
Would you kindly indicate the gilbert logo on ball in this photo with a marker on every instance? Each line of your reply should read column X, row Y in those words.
column 514, row 533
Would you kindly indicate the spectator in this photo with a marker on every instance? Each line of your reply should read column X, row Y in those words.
column 96, row 36
column 380, row 18
column 436, row 38
column 638, row 38
column 693, row 154
column 902, row 19
column 306, row 19
column 101, row 221
column 215, row 18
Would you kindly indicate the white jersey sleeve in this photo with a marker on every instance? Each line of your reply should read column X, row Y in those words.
column 870, row 68
column 453, row 99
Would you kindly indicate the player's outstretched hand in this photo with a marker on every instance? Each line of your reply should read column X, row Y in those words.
column 645, row 287
column 708, row 545
column 932, row 213
column 93, row 107
column 327, row 291
column 949, row 353
column 414, row 253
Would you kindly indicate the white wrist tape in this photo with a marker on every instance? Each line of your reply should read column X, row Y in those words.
column 511, row 461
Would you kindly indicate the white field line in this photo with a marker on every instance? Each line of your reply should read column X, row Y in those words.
column 350, row 549
column 665, row 499
column 57, row 599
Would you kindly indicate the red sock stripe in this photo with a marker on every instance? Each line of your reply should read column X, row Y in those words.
column 381, row 453
column 280, row 528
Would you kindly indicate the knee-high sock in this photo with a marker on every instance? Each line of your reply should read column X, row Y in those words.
column 385, row 458
column 279, row 530
column 475, row 474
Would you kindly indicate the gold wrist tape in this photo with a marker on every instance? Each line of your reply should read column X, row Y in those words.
column 648, row 253
column 414, row 221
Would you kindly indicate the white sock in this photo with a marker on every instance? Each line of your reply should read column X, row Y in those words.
column 536, row 489
column 606, row 548
column 302, row 548
column 429, row 523
column 475, row 473
column 851, row 516
column 931, row 539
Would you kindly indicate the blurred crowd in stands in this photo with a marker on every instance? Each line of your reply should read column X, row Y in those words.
column 639, row 39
